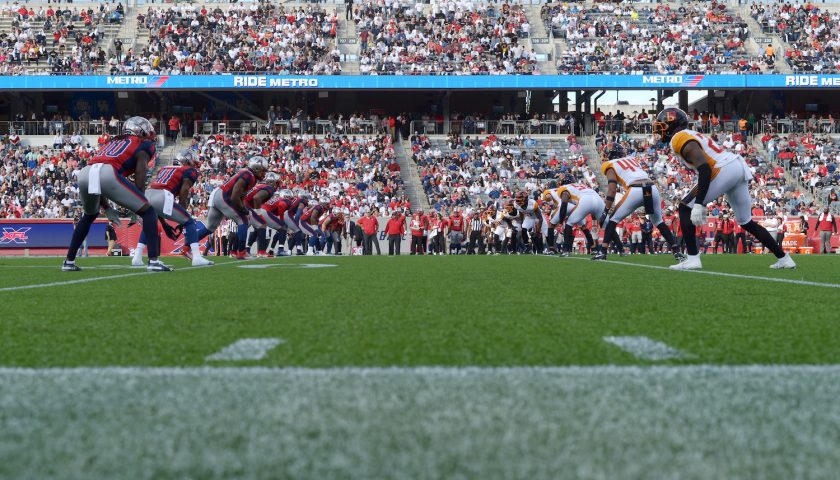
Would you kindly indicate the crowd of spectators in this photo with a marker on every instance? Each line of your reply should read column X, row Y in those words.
column 623, row 39
column 812, row 33
column 260, row 37
column 446, row 38
column 467, row 170
column 353, row 173
column 59, row 40
column 40, row 182
column 813, row 160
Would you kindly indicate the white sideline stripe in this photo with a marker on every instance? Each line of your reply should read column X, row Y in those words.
column 246, row 349
column 645, row 348
column 95, row 279
column 757, row 369
column 719, row 274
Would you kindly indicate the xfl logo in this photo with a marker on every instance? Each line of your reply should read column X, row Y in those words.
column 15, row 236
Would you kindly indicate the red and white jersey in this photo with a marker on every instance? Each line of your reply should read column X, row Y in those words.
column 245, row 174
column 312, row 213
column 456, row 223
column 627, row 170
column 260, row 187
column 121, row 153
column 172, row 178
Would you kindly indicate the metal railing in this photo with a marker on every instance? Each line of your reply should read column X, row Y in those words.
column 288, row 127
column 67, row 127
column 498, row 127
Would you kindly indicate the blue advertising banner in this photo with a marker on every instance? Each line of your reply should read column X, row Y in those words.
column 23, row 233
column 434, row 82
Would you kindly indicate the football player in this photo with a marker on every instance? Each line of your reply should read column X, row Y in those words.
column 639, row 191
column 228, row 201
column 254, row 200
column 276, row 211
column 584, row 201
column 531, row 219
column 308, row 224
column 719, row 172
column 105, row 178
column 170, row 184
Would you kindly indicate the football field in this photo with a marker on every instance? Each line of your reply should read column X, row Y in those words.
column 421, row 367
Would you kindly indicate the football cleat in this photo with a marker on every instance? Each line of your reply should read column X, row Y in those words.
column 242, row 255
column 186, row 254
column 623, row 254
column 692, row 262
column 283, row 253
column 564, row 254
column 680, row 256
column 70, row 267
column 137, row 262
column 599, row 256
column 783, row 263
column 157, row 266
column 201, row 262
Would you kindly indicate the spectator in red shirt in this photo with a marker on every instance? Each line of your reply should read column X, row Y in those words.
column 826, row 226
column 370, row 227
column 418, row 231
column 395, row 229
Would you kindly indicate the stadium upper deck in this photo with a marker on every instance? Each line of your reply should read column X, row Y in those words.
column 413, row 38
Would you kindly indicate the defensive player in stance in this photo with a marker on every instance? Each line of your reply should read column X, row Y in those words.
column 719, row 172
column 309, row 225
column 254, row 201
column 171, row 183
column 105, row 179
column 639, row 191
column 277, row 217
column 584, row 202
column 228, row 201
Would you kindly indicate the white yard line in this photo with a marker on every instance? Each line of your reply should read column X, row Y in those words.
column 246, row 349
column 719, row 274
column 645, row 348
column 95, row 279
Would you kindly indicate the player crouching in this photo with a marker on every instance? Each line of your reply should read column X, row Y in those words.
column 171, row 183
column 584, row 202
column 227, row 201
column 719, row 172
column 106, row 178
column 639, row 191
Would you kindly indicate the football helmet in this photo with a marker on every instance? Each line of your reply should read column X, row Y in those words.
column 139, row 127
column 669, row 122
column 521, row 199
column 258, row 165
column 271, row 178
column 187, row 157
column 615, row 150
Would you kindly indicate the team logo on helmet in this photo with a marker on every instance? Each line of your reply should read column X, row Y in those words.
column 669, row 122
column 187, row 157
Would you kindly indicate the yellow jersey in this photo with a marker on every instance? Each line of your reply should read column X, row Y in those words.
column 627, row 171
column 716, row 156
column 575, row 191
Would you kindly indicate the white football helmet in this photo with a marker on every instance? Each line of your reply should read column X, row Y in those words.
column 258, row 165
column 187, row 157
column 285, row 193
column 271, row 177
column 139, row 127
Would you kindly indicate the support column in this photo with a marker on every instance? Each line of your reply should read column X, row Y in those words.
column 563, row 99
column 682, row 100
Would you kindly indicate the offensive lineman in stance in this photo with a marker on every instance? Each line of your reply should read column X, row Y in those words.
column 171, row 183
column 639, row 190
column 584, row 202
column 105, row 179
column 718, row 172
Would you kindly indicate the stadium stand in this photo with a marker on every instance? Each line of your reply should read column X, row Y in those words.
column 446, row 38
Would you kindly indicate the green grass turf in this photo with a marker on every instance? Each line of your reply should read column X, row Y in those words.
column 410, row 311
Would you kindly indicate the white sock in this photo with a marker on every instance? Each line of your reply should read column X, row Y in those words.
column 138, row 252
column 195, row 249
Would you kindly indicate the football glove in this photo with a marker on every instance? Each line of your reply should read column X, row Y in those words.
column 113, row 216
column 698, row 214
column 605, row 217
column 169, row 231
